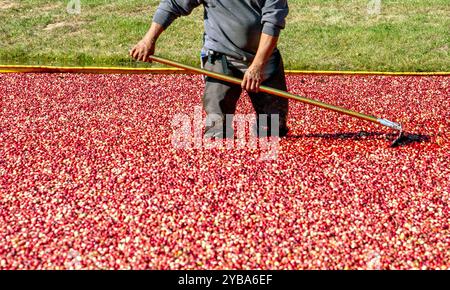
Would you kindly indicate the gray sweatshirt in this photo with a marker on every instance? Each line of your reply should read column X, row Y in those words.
column 232, row 27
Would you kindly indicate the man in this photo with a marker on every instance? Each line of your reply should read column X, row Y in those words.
column 240, row 40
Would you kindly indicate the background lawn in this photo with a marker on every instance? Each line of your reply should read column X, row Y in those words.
column 403, row 35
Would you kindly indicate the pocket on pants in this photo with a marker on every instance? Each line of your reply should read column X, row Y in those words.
column 273, row 66
column 203, row 58
column 210, row 3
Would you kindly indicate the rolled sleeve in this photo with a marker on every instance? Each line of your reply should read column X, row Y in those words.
column 164, row 18
column 271, row 29
column 169, row 10
column 274, row 15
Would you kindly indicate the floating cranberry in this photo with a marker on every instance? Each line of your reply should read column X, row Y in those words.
column 89, row 178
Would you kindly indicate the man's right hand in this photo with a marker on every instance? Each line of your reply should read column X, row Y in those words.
column 143, row 50
column 146, row 47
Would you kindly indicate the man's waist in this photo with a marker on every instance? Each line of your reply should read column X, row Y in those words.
column 215, row 54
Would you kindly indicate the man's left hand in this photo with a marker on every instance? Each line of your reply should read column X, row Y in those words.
column 252, row 78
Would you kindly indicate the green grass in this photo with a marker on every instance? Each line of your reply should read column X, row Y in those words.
column 408, row 35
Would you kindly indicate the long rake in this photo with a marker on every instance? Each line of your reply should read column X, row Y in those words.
column 283, row 94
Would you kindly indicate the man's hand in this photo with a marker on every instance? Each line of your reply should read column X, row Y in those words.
column 252, row 78
column 143, row 50
column 146, row 47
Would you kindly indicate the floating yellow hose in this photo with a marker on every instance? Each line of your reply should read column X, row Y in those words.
column 124, row 70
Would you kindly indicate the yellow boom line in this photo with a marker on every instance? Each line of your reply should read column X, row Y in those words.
column 125, row 70
column 85, row 70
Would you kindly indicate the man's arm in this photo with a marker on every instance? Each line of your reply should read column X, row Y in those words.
column 167, row 12
column 253, row 76
column 274, row 13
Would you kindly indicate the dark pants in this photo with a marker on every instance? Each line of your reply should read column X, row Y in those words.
column 220, row 98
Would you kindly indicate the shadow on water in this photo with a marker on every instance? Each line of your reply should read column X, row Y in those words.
column 404, row 140
column 407, row 139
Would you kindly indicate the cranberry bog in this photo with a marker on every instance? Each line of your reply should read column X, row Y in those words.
column 90, row 179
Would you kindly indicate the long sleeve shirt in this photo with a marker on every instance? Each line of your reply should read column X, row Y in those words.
column 232, row 27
